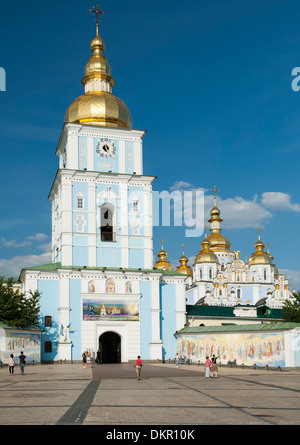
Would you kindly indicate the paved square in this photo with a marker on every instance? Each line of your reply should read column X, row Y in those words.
column 68, row 394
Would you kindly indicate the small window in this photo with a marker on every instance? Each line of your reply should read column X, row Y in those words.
column 48, row 346
column 265, row 275
column 136, row 206
column 79, row 202
column 48, row 321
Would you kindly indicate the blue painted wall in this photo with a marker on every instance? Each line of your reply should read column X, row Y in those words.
column 145, row 319
column 49, row 304
column 75, row 318
column 168, row 319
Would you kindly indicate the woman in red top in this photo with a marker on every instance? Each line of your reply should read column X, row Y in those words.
column 138, row 366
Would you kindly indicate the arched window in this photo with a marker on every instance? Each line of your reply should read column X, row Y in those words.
column 210, row 273
column 265, row 274
column 200, row 274
column 238, row 294
column 107, row 222
column 48, row 321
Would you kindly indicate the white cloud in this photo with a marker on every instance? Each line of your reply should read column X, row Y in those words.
column 37, row 237
column 293, row 277
column 279, row 201
column 14, row 243
column 239, row 212
column 181, row 185
column 46, row 247
column 13, row 266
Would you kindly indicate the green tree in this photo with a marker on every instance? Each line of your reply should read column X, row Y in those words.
column 291, row 309
column 16, row 309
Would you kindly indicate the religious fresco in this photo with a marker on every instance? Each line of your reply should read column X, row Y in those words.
column 113, row 310
column 15, row 342
column 248, row 349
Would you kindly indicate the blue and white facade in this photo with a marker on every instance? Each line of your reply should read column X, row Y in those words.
column 88, row 185
column 101, row 282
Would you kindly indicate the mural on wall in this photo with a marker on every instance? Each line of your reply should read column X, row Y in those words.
column 16, row 342
column 248, row 349
column 113, row 310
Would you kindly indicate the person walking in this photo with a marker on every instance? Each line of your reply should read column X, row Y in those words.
column 214, row 366
column 11, row 364
column 177, row 360
column 88, row 359
column 207, row 367
column 138, row 366
column 84, row 359
column 98, row 357
column 22, row 362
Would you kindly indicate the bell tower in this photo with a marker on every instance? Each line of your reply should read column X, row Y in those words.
column 101, row 201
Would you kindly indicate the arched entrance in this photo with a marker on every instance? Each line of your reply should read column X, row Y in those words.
column 110, row 346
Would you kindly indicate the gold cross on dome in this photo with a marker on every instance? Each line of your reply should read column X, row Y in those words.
column 183, row 246
column 97, row 10
column 214, row 190
column 205, row 229
column 259, row 229
column 162, row 244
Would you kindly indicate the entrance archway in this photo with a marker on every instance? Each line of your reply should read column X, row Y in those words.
column 110, row 346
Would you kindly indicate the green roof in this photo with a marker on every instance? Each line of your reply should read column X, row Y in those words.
column 54, row 266
column 228, row 311
column 239, row 328
column 28, row 328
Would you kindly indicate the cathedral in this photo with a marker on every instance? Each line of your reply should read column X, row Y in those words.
column 220, row 278
column 102, row 291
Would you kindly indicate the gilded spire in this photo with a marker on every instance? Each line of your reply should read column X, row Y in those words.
column 184, row 268
column 162, row 263
column 218, row 241
column 98, row 106
column 259, row 256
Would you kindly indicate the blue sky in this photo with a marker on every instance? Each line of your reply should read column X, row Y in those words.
column 209, row 81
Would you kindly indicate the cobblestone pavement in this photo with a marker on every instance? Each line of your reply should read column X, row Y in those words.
column 68, row 394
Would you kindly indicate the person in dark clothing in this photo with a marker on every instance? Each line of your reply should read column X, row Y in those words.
column 22, row 362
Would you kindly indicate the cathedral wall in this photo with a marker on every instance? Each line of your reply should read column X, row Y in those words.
column 145, row 318
column 168, row 319
column 273, row 348
column 49, row 306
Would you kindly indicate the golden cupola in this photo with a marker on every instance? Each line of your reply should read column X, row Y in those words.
column 184, row 268
column 98, row 106
column 218, row 242
column 206, row 255
column 259, row 256
column 163, row 263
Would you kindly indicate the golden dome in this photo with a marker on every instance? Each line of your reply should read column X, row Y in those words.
column 163, row 263
column 184, row 268
column 218, row 242
column 98, row 106
column 259, row 256
column 206, row 255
